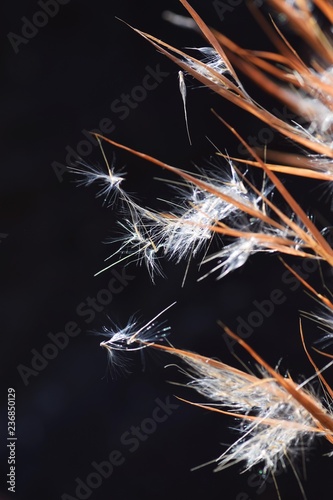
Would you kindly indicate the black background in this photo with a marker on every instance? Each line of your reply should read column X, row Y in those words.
column 73, row 413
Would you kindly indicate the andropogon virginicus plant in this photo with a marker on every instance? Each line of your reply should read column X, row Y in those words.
column 278, row 417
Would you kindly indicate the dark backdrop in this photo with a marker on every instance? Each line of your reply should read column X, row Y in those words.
column 72, row 415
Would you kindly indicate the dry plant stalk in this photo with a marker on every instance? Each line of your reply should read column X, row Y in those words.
column 278, row 418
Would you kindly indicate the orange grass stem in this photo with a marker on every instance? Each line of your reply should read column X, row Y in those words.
column 324, row 419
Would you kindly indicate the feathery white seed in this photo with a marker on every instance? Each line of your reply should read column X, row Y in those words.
column 281, row 425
